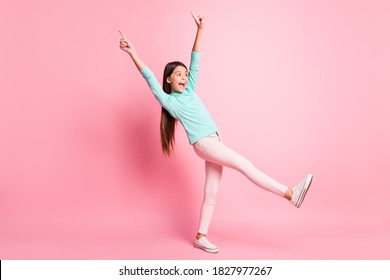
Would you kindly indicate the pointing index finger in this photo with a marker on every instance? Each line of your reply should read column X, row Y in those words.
column 193, row 15
column 123, row 36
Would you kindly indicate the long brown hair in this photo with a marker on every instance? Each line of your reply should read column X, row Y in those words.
column 167, row 122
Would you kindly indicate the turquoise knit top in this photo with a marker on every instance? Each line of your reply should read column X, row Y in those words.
column 186, row 107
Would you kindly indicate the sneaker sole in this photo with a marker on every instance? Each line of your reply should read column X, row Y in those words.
column 305, row 189
column 213, row 251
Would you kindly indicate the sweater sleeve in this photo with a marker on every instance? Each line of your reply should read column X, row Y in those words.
column 155, row 86
column 194, row 70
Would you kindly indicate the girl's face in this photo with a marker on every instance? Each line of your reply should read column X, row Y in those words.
column 178, row 79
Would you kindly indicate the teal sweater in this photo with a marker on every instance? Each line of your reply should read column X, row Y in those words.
column 186, row 107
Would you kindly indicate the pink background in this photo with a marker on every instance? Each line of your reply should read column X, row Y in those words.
column 296, row 86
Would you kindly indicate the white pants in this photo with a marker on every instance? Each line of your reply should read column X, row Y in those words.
column 217, row 155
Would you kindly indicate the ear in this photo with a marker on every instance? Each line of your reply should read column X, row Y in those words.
column 169, row 80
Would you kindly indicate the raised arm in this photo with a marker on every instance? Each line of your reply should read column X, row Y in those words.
column 199, row 20
column 128, row 47
column 150, row 78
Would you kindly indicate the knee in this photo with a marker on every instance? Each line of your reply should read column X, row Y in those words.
column 210, row 196
column 244, row 165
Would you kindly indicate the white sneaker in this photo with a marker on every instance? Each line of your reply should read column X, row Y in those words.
column 299, row 192
column 204, row 244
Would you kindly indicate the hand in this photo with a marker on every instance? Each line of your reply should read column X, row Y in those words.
column 125, row 44
column 199, row 20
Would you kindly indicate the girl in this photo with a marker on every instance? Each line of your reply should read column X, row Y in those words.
column 180, row 102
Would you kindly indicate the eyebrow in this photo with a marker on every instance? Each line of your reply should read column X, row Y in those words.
column 181, row 71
